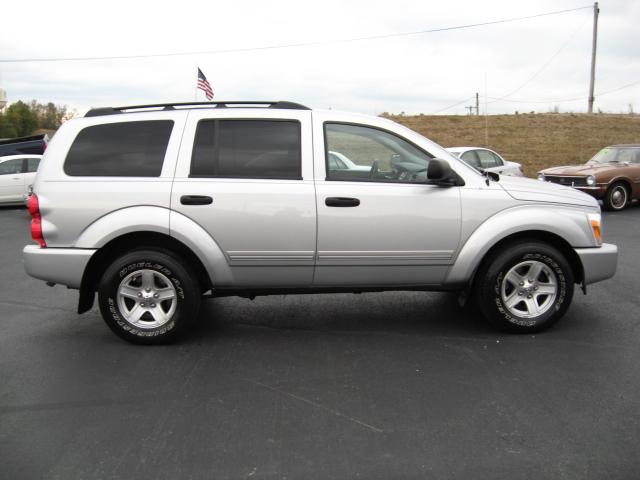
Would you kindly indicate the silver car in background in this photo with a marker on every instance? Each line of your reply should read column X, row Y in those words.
column 487, row 160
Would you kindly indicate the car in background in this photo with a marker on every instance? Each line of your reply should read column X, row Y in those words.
column 486, row 160
column 339, row 161
column 612, row 175
column 33, row 145
column 17, row 174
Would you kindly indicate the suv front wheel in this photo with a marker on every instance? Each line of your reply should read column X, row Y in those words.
column 148, row 297
column 525, row 288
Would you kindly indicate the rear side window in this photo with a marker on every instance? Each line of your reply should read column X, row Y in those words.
column 488, row 159
column 127, row 149
column 247, row 149
column 32, row 164
column 471, row 158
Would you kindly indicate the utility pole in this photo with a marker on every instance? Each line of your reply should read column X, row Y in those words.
column 477, row 104
column 596, row 11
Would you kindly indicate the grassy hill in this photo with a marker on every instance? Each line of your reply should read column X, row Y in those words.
column 537, row 141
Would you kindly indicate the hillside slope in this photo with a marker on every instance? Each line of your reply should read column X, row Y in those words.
column 536, row 140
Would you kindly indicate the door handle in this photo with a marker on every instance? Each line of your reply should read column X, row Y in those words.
column 196, row 200
column 341, row 202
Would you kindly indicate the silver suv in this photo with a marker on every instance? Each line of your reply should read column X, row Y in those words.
column 155, row 207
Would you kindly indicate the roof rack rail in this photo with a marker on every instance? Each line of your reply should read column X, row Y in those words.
column 95, row 112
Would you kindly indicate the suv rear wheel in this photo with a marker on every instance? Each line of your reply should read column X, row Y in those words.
column 148, row 297
column 525, row 288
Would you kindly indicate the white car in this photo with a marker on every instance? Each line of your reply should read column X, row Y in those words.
column 339, row 161
column 17, row 174
column 486, row 160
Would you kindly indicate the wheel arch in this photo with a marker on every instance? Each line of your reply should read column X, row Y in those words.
column 129, row 241
column 549, row 238
column 624, row 180
column 565, row 229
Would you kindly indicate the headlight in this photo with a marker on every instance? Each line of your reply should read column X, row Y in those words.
column 541, row 177
column 594, row 222
column 591, row 180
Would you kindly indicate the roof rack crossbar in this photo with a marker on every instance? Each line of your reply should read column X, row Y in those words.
column 95, row 112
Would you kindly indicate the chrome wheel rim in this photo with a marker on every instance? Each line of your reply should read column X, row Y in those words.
column 619, row 197
column 529, row 289
column 146, row 299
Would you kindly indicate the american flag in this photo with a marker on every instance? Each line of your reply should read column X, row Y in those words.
column 204, row 85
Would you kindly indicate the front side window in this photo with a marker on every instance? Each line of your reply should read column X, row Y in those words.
column 369, row 154
column 11, row 167
column 125, row 149
column 247, row 149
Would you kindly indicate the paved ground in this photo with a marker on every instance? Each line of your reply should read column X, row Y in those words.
column 382, row 386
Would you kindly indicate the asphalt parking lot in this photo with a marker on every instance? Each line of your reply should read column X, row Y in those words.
column 376, row 386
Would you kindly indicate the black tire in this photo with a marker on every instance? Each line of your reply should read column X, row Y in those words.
column 616, row 198
column 167, row 275
column 494, row 287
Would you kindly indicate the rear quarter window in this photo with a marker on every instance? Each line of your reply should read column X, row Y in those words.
column 125, row 149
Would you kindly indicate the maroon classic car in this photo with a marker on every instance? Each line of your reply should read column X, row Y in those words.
column 612, row 175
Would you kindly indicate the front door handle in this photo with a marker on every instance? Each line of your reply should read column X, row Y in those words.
column 341, row 202
column 196, row 200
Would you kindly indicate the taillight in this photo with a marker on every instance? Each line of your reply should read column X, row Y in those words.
column 36, row 220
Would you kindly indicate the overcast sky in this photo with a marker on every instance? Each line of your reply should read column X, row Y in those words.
column 423, row 73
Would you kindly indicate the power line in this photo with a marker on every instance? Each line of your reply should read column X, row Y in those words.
column 451, row 106
column 561, row 100
column 545, row 65
column 619, row 88
column 289, row 45
column 522, row 100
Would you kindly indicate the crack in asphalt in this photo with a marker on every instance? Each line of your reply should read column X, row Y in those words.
column 317, row 405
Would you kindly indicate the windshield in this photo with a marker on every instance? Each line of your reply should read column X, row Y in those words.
column 616, row 155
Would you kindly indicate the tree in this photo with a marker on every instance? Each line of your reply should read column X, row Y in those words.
column 6, row 128
column 23, row 120
column 50, row 116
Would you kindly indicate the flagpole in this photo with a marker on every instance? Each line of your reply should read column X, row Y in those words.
column 195, row 93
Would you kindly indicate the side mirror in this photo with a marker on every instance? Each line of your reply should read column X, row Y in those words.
column 438, row 170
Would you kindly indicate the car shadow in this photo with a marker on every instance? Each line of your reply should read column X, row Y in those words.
column 410, row 313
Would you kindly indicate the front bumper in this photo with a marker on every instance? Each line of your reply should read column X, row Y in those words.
column 598, row 263
column 57, row 265
column 596, row 191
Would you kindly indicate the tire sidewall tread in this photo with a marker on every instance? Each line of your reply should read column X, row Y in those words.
column 181, row 278
column 489, row 285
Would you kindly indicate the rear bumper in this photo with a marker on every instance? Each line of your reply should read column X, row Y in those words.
column 598, row 263
column 58, row 265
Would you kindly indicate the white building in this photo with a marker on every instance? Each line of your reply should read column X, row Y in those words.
column 3, row 98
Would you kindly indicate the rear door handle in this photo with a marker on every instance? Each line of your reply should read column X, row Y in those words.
column 341, row 202
column 196, row 200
